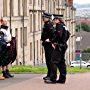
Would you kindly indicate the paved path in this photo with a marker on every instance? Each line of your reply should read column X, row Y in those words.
column 79, row 81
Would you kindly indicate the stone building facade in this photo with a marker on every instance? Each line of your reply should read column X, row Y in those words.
column 24, row 19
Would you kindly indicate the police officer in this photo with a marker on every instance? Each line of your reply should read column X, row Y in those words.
column 58, row 55
column 45, row 37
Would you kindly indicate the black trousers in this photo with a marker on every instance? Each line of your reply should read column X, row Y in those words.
column 58, row 62
column 48, row 51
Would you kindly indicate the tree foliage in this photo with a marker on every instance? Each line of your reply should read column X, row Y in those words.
column 83, row 27
column 86, row 50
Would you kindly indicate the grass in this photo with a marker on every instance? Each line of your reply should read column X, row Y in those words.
column 36, row 69
column 41, row 69
column 77, row 69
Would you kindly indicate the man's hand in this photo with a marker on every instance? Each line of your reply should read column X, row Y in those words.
column 54, row 45
column 47, row 40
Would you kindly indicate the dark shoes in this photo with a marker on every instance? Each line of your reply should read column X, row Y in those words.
column 53, row 82
column 46, row 78
column 60, row 81
column 7, row 74
column 48, row 81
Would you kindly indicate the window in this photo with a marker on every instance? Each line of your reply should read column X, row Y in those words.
column 68, row 12
column 37, row 49
column 11, row 7
column 19, row 8
column 25, row 7
column 39, row 2
column 16, row 34
column 31, row 1
column 63, row 2
column 62, row 12
column 30, row 22
column 42, row 2
column 39, row 21
column 30, row 51
column 4, row 7
column 21, row 43
column 70, row 2
column 57, row 2
column 53, row 7
column 25, row 36
column 34, row 23
column 40, row 48
column 35, row 2
column 21, row 36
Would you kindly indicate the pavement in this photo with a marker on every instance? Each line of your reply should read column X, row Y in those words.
column 79, row 81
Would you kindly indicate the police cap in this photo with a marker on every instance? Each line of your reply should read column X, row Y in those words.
column 56, row 16
column 46, row 15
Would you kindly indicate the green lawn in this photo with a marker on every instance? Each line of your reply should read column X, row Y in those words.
column 40, row 69
column 77, row 70
column 36, row 69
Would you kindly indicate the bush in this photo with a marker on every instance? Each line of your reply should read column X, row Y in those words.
column 86, row 50
column 84, row 27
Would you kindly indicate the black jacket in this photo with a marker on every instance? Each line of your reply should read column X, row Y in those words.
column 58, row 34
column 47, row 31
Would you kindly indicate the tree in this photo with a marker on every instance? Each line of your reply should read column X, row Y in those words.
column 77, row 27
column 86, row 54
column 84, row 27
column 86, row 50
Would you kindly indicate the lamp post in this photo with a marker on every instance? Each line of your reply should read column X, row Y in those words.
column 78, row 51
column 80, row 44
column 78, row 39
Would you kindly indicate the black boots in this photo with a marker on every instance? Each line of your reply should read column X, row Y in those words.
column 46, row 78
column 7, row 74
column 62, row 79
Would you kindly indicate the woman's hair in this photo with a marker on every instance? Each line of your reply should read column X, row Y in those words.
column 1, row 20
column 60, row 19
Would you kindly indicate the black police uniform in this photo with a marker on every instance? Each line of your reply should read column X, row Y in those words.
column 58, row 55
column 46, row 34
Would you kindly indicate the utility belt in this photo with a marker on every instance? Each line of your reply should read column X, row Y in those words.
column 62, row 46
